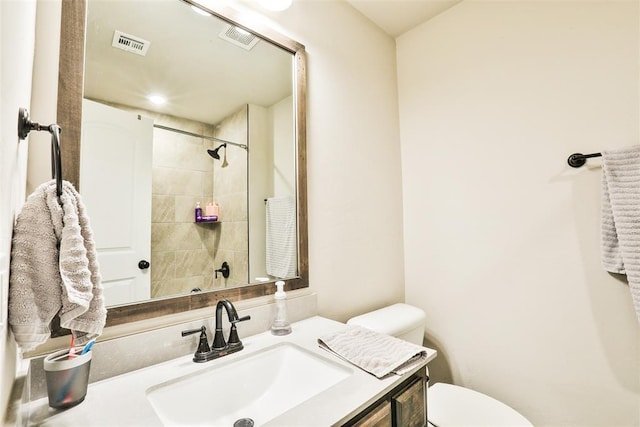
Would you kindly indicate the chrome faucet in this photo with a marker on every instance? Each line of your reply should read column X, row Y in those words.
column 220, row 347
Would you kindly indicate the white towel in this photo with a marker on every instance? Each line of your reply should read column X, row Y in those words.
column 621, row 216
column 282, row 260
column 371, row 351
column 54, row 269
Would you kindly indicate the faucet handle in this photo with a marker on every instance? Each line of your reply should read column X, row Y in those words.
column 234, row 339
column 241, row 319
column 203, row 352
column 194, row 331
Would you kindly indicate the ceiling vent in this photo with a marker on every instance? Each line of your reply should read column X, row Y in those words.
column 239, row 37
column 130, row 43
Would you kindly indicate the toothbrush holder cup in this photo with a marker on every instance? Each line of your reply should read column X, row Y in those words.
column 67, row 379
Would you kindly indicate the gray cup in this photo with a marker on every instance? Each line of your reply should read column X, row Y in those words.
column 67, row 379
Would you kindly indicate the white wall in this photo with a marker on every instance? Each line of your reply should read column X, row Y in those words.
column 17, row 35
column 501, row 236
column 354, row 174
column 271, row 132
column 45, row 90
column 284, row 157
column 261, row 184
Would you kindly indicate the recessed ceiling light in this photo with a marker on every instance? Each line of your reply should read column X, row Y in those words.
column 157, row 99
column 276, row 5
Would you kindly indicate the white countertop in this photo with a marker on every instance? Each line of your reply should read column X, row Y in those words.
column 122, row 400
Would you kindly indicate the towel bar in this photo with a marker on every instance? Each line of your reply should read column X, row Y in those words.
column 578, row 159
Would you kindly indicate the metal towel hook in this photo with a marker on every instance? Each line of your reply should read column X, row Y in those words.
column 25, row 125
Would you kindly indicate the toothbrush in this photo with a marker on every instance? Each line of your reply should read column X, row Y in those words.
column 87, row 347
column 72, row 349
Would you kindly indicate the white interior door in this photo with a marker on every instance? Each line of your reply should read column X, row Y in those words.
column 115, row 182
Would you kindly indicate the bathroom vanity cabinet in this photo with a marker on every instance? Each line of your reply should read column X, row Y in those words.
column 404, row 406
column 356, row 398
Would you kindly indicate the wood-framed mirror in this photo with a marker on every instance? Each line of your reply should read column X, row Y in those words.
column 69, row 115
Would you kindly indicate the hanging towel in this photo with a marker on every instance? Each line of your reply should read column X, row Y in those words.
column 621, row 216
column 376, row 353
column 54, row 269
column 281, row 233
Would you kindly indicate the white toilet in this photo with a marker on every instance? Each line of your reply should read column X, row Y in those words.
column 447, row 404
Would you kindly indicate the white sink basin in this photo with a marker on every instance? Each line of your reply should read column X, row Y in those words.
column 260, row 386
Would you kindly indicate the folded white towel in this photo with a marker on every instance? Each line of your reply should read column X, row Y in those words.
column 54, row 269
column 621, row 216
column 371, row 351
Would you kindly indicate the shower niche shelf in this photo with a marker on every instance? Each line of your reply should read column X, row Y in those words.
column 207, row 221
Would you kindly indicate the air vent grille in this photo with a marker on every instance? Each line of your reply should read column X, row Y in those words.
column 239, row 37
column 130, row 43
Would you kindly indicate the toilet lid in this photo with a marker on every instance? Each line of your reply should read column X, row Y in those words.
column 451, row 405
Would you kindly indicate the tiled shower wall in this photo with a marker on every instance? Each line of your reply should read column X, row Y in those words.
column 181, row 250
column 230, row 189
column 185, row 254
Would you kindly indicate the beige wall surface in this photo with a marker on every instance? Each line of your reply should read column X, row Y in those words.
column 501, row 235
column 354, row 183
column 17, row 38
column 182, row 177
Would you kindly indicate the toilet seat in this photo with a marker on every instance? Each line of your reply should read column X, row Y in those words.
column 451, row 405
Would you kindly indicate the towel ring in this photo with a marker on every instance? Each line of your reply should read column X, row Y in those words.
column 25, row 125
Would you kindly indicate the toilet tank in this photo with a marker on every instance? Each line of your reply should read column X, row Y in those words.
column 402, row 321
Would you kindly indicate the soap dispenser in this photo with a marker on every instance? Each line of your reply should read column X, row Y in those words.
column 281, row 325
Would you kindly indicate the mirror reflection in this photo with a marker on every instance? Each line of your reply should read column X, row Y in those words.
column 186, row 111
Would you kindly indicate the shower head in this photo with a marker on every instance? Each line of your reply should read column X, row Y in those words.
column 214, row 153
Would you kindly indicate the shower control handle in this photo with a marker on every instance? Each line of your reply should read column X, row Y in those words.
column 225, row 270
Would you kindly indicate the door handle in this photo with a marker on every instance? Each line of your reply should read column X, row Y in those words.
column 143, row 264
